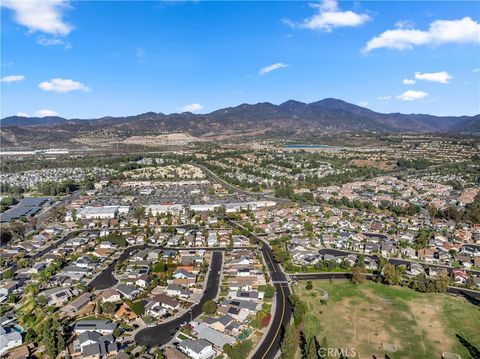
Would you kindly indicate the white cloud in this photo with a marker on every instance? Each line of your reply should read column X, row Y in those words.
column 442, row 77
column 328, row 17
column 412, row 95
column 194, row 107
column 273, row 67
column 12, row 78
column 404, row 24
column 439, row 32
column 384, row 98
column 363, row 103
column 408, row 82
column 476, row 70
column 21, row 114
column 40, row 15
column 52, row 41
column 62, row 85
column 45, row 113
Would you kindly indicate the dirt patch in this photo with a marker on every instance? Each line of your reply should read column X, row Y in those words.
column 373, row 327
column 368, row 323
column 428, row 314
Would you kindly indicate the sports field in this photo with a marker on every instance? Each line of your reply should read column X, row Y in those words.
column 376, row 319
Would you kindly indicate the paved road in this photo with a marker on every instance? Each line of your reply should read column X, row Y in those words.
column 44, row 216
column 47, row 249
column 261, row 195
column 395, row 261
column 163, row 333
column 467, row 293
column 322, row 275
column 271, row 344
column 55, row 244
column 106, row 279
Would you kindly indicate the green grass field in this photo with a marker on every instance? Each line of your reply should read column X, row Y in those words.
column 374, row 318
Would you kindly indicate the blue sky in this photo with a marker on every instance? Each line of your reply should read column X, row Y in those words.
column 86, row 59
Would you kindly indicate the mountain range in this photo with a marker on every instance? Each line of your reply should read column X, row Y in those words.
column 291, row 117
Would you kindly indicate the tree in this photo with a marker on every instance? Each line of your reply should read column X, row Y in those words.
column 238, row 351
column 32, row 289
column 31, row 335
column 308, row 226
column 298, row 309
column 159, row 267
column 358, row 275
column 289, row 342
column 53, row 340
column 424, row 284
column 74, row 214
column 17, row 229
column 361, row 261
column 209, row 307
column 58, row 213
column 470, row 283
column 109, row 308
column 311, row 350
column 323, row 349
column 442, row 282
column 139, row 212
column 41, row 300
column 148, row 319
column 391, row 275
column 7, row 274
column 49, row 339
column 269, row 292
column 421, row 240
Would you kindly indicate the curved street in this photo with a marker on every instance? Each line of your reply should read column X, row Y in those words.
column 161, row 334
column 270, row 344
column 106, row 279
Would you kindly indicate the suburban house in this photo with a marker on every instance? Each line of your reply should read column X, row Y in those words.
column 127, row 291
column 110, row 295
column 198, row 349
column 9, row 338
column 164, row 301
column 126, row 313
column 77, row 304
column 459, row 276
column 96, row 325
column 57, row 296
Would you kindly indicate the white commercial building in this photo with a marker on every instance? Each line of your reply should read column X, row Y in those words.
column 164, row 208
column 104, row 212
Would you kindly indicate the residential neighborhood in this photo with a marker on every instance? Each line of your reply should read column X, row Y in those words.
column 179, row 263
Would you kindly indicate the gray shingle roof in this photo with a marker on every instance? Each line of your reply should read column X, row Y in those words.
column 196, row 345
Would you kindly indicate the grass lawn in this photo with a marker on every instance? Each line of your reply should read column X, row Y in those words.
column 182, row 336
column 371, row 316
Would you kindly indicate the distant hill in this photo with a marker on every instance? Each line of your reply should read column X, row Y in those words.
column 469, row 125
column 30, row 121
column 291, row 117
